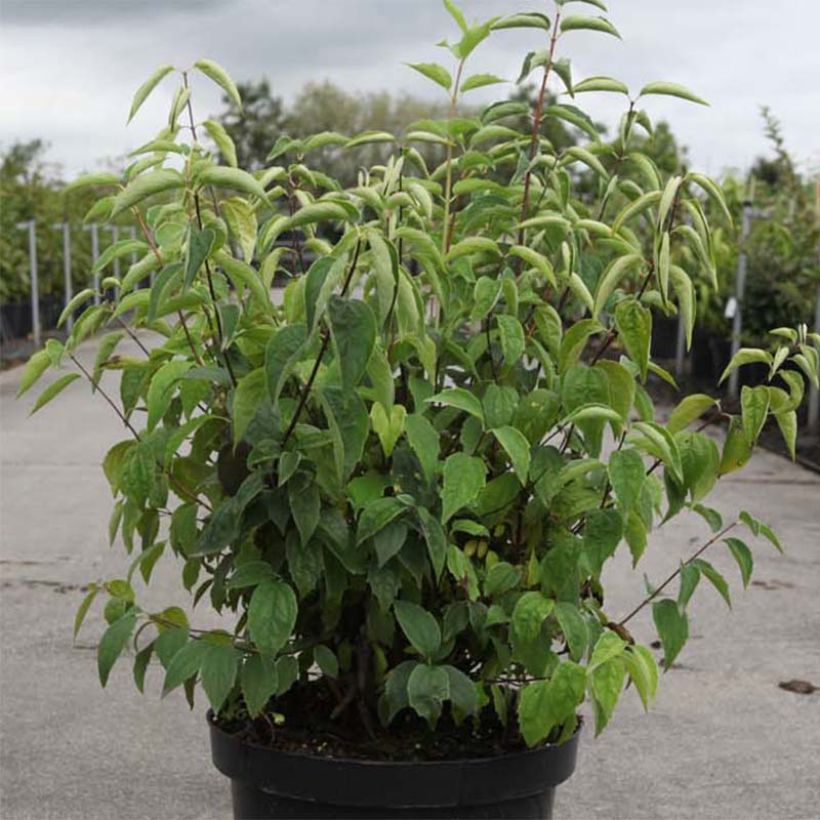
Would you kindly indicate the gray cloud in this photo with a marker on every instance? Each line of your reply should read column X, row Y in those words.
column 70, row 68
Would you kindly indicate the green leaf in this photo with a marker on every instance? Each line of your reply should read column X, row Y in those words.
column 35, row 367
column 479, row 81
column 305, row 504
column 53, row 390
column 236, row 178
column 250, row 394
column 713, row 191
column 642, row 669
column 544, row 705
column 601, row 84
column 671, row 90
column 754, row 403
column 736, row 450
column 112, row 643
column 83, row 608
column 435, row 72
column 346, row 413
column 224, row 143
column 272, row 615
column 463, row 481
column 354, row 333
column 579, row 22
column 743, row 555
column 326, row 661
column 522, row 20
column 606, row 683
column 388, row 428
column 746, row 355
column 250, row 575
column 147, row 87
column 689, row 409
column 281, row 354
column 513, row 343
column 517, row 448
column 787, row 422
column 574, row 628
column 501, row 578
column 460, row 398
column 218, row 673
column 427, row 689
column 377, row 515
column 420, row 627
column 213, row 71
column 161, row 390
column 634, row 323
column 588, row 158
column 530, row 612
column 627, row 474
column 424, row 440
column 611, row 278
column 147, row 185
column 672, row 626
column 184, row 664
column 456, row 14
column 436, row 540
column 97, row 178
column 259, row 681
column 463, row 693
column 714, row 578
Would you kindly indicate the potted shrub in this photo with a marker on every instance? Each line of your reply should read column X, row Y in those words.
column 400, row 483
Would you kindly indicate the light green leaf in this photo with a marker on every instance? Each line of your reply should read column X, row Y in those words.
column 627, row 473
column 574, row 628
column 671, row 90
column 388, row 427
column 479, row 81
column 214, row 71
column 435, row 72
column 689, row 409
column 222, row 177
column 53, row 390
column 754, row 403
column 530, row 612
column 147, row 185
column 460, row 398
column 517, row 448
column 377, row 515
column 224, row 143
column 606, row 683
column 601, row 84
column 611, row 278
column 578, row 22
column 542, row 706
column 634, row 323
column 522, row 20
column 147, row 87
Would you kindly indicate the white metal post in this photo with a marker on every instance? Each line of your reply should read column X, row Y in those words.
column 30, row 226
column 115, row 236
column 66, row 229
column 740, row 290
column 95, row 252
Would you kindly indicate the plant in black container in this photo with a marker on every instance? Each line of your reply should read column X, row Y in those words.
column 400, row 482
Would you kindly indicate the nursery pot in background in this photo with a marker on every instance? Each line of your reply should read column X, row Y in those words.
column 270, row 783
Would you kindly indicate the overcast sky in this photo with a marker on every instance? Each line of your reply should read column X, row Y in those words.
column 70, row 67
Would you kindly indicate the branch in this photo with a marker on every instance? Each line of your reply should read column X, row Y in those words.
column 697, row 554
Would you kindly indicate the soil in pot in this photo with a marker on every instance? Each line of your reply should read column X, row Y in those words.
column 310, row 767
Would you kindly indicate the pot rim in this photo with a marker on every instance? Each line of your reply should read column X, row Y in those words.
column 453, row 761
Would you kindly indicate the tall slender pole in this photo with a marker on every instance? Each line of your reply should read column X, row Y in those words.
column 67, row 288
column 115, row 237
column 740, row 291
column 95, row 252
column 30, row 226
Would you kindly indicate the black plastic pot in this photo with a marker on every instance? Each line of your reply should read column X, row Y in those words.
column 267, row 783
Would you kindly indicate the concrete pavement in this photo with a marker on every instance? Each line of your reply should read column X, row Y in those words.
column 723, row 741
